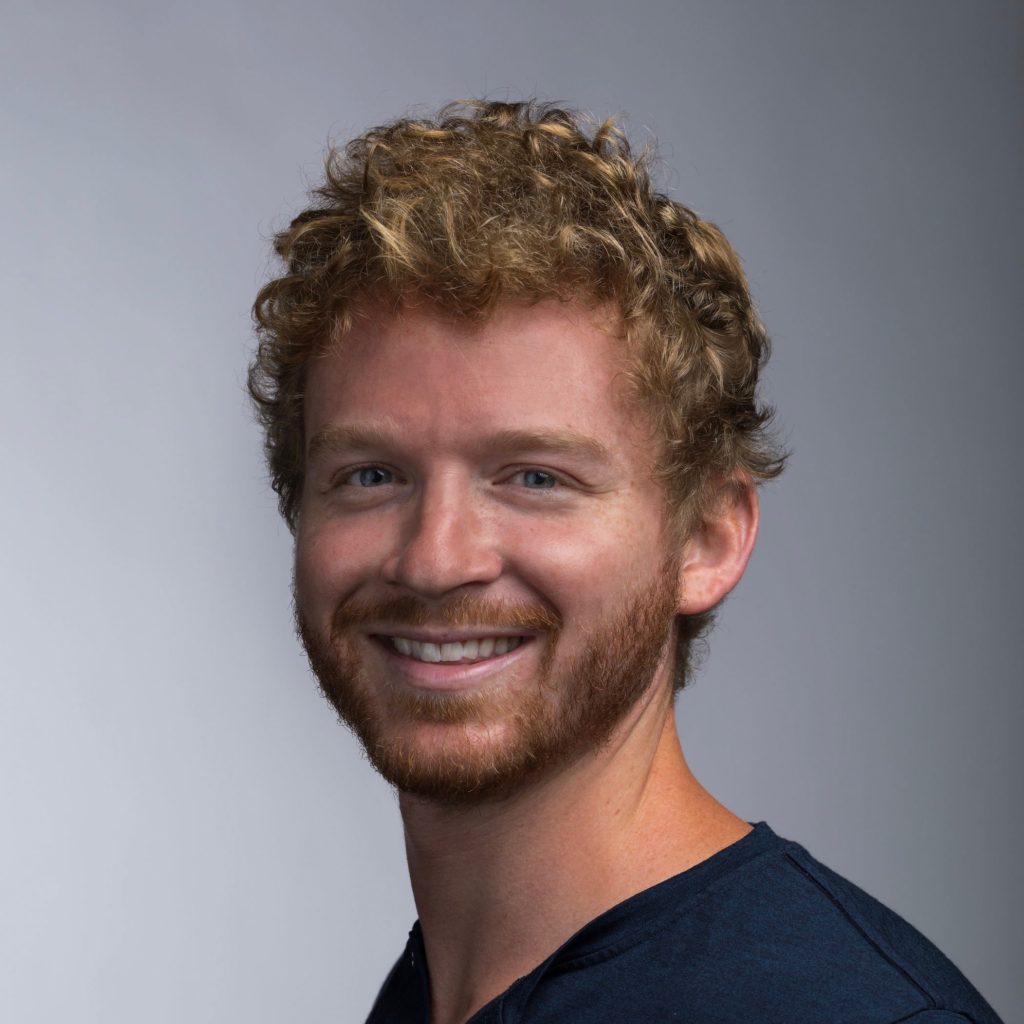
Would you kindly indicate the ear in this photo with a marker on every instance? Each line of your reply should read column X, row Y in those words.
column 719, row 547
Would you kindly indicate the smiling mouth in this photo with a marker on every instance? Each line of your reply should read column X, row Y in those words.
column 453, row 653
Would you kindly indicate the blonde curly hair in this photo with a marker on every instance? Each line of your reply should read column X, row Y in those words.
column 494, row 201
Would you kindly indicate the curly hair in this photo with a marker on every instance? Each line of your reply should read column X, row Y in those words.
column 489, row 202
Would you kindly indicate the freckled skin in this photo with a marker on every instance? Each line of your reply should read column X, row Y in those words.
column 457, row 516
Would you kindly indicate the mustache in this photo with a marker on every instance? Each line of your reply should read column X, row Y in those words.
column 465, row 610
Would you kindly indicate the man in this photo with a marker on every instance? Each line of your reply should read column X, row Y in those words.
column 509, row 394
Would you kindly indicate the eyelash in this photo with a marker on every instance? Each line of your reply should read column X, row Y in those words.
column 556, row 480
column 362, row 469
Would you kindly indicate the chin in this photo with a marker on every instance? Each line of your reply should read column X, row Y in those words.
column 458, row 753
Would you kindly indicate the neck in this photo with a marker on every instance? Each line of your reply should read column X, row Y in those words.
column 500, row 886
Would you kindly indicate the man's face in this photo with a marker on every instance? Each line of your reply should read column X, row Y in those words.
column 483, row 578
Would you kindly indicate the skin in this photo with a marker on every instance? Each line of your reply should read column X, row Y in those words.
column 465, row 508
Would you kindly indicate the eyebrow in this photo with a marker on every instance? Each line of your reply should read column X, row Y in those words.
column 567, row 442
column 337, row 439
column 570, row 443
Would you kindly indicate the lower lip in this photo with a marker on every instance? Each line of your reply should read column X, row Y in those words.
column 458, row 675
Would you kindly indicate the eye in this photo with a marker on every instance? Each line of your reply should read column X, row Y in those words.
column 369, row 476
column 537, row 479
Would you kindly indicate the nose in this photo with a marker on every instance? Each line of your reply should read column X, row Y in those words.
column 448, row 543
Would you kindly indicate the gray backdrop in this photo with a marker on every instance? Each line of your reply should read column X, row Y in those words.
column 187, row 833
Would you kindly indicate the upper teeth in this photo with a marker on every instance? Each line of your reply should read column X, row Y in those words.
column 467, row 650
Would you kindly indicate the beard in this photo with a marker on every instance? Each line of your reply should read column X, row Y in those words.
column 563, row 712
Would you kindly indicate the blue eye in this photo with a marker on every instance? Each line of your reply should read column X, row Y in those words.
column 538, row 480
column 371, row 476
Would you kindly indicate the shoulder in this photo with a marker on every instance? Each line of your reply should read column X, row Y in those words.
column 770, row 935
column 804, row 936
column 838, row 908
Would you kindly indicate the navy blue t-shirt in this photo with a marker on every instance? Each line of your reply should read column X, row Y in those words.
column 760, row 933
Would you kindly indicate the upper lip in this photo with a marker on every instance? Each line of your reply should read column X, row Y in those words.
column 448, row 634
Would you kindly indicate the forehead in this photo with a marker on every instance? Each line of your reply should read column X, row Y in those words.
column 538, row 366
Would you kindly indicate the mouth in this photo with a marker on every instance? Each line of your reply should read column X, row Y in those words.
column 455, row 652
column 452, row 658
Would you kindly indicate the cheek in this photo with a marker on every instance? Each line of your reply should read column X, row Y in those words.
column 588, row 568
column 330, row 564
